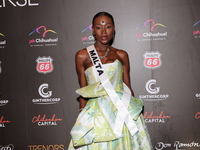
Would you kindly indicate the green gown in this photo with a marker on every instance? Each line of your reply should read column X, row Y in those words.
column 94, row 126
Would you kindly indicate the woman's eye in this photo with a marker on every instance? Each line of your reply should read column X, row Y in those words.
column 108, row 27
column 98, row 27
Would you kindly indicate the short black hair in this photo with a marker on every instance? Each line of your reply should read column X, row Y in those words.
column 103, row 13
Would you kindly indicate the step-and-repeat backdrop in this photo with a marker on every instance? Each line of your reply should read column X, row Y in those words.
column 38, row 42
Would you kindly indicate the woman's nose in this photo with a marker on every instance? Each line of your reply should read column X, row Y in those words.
column 103, row 30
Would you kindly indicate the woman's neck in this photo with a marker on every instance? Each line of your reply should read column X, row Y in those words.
column 101, row 47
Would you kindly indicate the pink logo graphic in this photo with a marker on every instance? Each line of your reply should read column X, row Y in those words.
column 152, row 24
column 197, row 32
column 44, row 64
column 45, row 31
column 89, row 27
column 87, row 39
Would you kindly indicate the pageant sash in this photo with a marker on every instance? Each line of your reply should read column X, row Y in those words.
column 123, row 116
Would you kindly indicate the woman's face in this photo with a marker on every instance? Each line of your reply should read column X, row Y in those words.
column 103, row 29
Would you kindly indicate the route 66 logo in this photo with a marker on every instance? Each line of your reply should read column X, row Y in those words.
column 152, row 59
column 44, row 64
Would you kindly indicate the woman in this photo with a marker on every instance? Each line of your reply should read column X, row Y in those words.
column 110, row 117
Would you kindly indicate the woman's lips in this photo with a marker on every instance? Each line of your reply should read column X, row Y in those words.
column 104, row 37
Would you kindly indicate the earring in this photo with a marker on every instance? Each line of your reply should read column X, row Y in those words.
column 113, row 36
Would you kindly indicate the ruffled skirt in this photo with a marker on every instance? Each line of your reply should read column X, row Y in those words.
column 92, row 132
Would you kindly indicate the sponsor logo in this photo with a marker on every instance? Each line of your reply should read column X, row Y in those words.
column 1, row 34
column 2, row 40
column 87, row 38
column 161, row 145
column 42, row 93
column 3, row 121
column 7, row 147
column 177, row 145
column 149, row 88
column 44, row 64
column 197, row 115
column 197, row 95
column 46, row 96
column 89, row 27
column 44, row 121
column 43, row 40
column 152, row 89
column 152, row 118
column 3, row 102
column 153, row 34
column 196, row 32
column 4, row 3
column 47, row 147
column 152, row 59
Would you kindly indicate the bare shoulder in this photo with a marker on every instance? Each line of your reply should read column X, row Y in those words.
column 122, row 54
column 82, row 54
column 83, row 59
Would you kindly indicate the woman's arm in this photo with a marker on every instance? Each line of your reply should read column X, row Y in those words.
column 80, row 60
column 126, row 69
